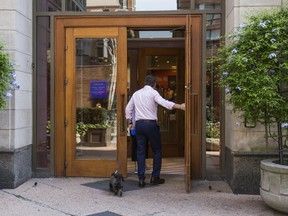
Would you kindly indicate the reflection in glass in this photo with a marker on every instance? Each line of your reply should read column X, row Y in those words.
column 138, row 5
column 96, row 72
column 171, row 33
column 208, row 5
column 162, row 63
column 75, row 5
column 213, row 145
column 56, row 5
column 48, row 5
column 150, row 5
column 43, row 129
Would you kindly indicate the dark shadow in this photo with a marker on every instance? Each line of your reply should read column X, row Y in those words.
column 129, row 185
column 106, row 213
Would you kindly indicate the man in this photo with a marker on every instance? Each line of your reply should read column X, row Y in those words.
column 144, row 102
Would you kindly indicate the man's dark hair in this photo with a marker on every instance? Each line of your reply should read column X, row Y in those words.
column 150, row 80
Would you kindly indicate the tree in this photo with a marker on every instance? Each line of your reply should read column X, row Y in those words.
column 253, row 69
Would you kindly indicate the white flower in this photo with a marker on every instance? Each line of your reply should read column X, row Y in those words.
column 13, row 76
column 241, row 26
column 273, row 40
column 9, row 95
column 272, row 55
column 234, row 51
column 245, row 59
column 262, row 24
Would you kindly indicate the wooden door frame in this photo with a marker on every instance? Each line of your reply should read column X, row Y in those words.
column 193, row 98
column 151, row 20
column 100, row 167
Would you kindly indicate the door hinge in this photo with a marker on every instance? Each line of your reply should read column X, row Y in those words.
column 65, row 123
column 65, row 164
column 66, row 81
column 33, row 67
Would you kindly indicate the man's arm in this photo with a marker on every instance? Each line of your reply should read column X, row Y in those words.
column 179, row 106
column 129, row 110
column 166, row 103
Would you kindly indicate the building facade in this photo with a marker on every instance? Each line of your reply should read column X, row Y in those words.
column 104, row 48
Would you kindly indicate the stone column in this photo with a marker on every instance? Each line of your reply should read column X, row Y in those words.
column 16, row 118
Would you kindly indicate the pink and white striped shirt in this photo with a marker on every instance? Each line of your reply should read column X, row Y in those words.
column 144, row 102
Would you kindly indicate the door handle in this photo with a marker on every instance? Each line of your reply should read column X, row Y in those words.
column 122, row 119
column 195, row 114
column 188, row 86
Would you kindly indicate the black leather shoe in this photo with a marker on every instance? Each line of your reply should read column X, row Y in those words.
column 142, row 183
column 156, row 180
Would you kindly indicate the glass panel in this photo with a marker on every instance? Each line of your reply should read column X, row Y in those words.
column 183, row 4
column 137, row 5
column 161, row 63
column 178, row 32
column 213, row 145
column 96, row 72
column 49, row 5
column 43, row 94
column 76, row 5
column 208, row 5
column 158, row 5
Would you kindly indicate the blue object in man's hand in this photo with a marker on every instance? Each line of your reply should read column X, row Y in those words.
column 133, row 132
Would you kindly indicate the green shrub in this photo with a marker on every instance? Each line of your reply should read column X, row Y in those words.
column 7, row 77
column 253, row 67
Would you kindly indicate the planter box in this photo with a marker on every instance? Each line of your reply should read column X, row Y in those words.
column 274, row 185
column 98, row 137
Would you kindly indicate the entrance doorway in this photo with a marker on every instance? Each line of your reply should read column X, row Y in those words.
column 93, row 79
column 160, row 52
column 165, row 59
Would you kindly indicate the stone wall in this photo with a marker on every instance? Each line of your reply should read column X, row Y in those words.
column 16, row 119
column 243, row 170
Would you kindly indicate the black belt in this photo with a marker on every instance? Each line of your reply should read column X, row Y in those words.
column 146, row 120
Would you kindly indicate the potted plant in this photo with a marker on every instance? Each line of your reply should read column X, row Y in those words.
column 253, row 69
column 81, row 130
column 96, row 121
column 7, row 77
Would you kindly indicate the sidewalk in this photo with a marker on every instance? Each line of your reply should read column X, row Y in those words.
column 91, row 196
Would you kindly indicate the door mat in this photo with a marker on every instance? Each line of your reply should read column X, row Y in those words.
column 129, row 185
column 106, row 213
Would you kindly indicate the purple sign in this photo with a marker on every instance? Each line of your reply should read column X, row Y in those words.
column 98, row 89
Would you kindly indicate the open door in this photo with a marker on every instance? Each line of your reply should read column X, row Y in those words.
column 95, row 99
column 193, row 123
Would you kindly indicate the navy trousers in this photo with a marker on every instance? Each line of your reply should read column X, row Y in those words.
column 148, row 131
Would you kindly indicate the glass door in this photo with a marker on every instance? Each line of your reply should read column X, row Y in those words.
column 95, row 99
